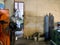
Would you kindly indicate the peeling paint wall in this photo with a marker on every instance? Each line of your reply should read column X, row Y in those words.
column 35, row 10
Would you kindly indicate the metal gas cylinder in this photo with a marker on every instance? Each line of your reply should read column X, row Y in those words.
column 46, row 26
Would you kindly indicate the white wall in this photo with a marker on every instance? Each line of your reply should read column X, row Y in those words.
column 9, row 4
column 2, row 1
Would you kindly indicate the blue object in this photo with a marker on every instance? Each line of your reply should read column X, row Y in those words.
column 2, row 6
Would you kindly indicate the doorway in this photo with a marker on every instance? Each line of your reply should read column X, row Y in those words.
column 19, row 14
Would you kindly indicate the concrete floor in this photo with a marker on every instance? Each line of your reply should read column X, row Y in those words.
column 30, row 42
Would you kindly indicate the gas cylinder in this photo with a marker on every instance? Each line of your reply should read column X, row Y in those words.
column 51, row 24
column 46, row 26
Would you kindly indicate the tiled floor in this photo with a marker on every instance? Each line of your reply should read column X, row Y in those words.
column 30, row 42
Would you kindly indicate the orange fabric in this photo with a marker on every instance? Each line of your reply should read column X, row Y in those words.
column 0, row 28
column 4, row 16
column 4, row 37
column 8, row 40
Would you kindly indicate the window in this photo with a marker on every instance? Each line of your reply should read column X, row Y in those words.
column 19, row 7
column 19, row 12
